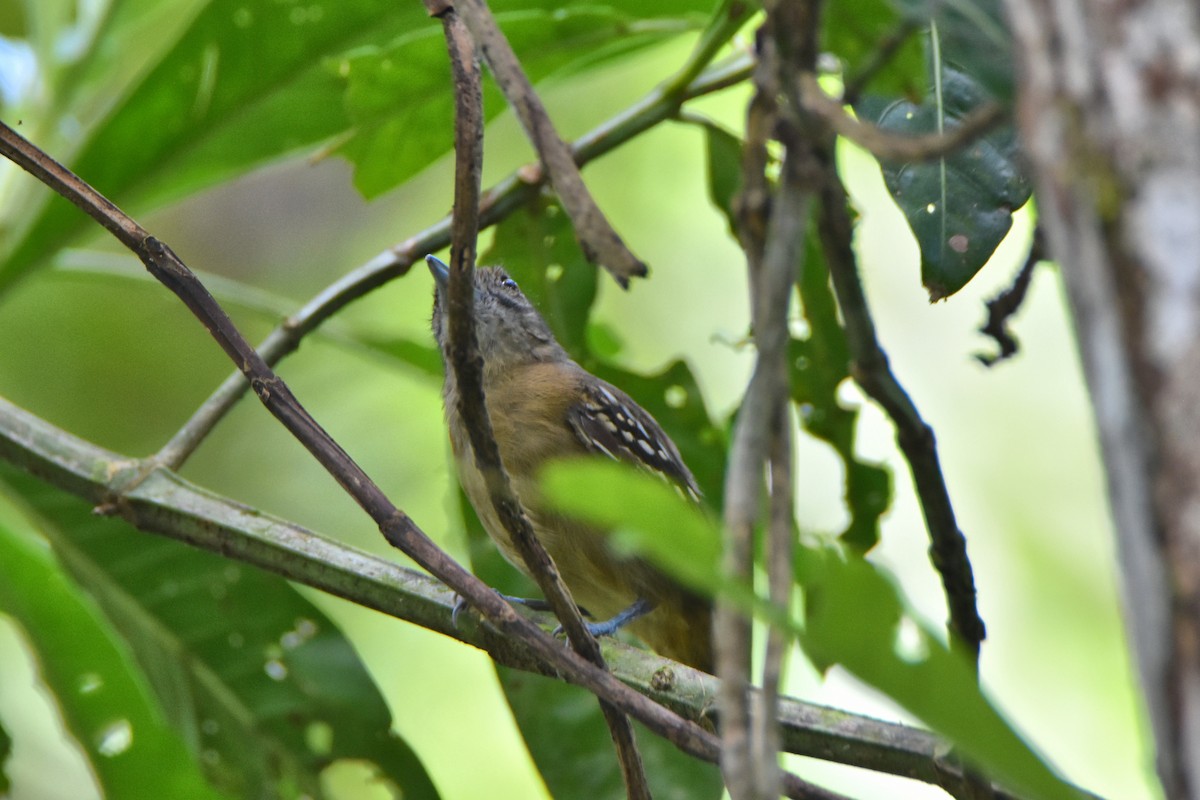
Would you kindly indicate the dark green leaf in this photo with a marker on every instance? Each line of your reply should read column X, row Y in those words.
column 537, row 247
column 102, row 695
column 820, row 362
column 960, row 207
column 261, row 684
column 854, row 617
column 972, row 35
column 854, row 30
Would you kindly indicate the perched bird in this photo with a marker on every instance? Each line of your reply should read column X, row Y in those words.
column 543, row 407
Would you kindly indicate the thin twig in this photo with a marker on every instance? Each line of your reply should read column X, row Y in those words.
column 165, row 504
column 731, row 629
column 871, row 370
column 501, row 200
column 888, row 146
column 468, row 371
column 1002, row 307
column 599, row 240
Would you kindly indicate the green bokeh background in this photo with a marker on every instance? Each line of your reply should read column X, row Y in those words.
column 119, row 361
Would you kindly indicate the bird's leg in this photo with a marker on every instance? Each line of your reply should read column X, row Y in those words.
column 640, row 608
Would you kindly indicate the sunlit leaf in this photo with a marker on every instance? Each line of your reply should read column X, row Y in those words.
column 103, row 697
column 243, row 84
column 854, row 617
column 261, row 685
column 647, row 517
column 399, row 96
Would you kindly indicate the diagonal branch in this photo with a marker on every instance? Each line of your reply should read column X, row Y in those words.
column 871, row 370
column 888, row 146
column 599, row 240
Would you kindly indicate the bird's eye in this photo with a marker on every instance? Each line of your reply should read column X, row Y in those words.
column 509, row 283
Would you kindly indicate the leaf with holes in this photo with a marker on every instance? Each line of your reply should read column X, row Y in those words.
column 959, row 207
column 260, row 684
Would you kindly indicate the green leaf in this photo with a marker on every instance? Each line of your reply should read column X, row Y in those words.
column 261, row 685
column 960, row 207
column 566, row 733
column 649, row 518
column 242, row 84
column 103, row 698
column 563, row 726
column 855, row 617
column 399, row 95
column 537, row 247
column 820, row 362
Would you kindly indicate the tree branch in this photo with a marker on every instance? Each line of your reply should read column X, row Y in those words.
column 1002, row 307
column 871, row 370
column 468, row 372
column 599, row 240
column 887, row 146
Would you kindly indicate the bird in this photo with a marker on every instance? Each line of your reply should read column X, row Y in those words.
column 545, row 407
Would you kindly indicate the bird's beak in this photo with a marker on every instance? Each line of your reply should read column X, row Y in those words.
column 441, row 272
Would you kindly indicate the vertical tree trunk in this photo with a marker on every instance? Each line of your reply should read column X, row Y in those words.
column 1109, row 113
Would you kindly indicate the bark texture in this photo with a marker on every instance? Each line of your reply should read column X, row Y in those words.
column 1109, row 113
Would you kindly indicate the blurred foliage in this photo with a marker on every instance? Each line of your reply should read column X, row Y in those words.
column 104, row 700
column 854, row 615
column 258, row 682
